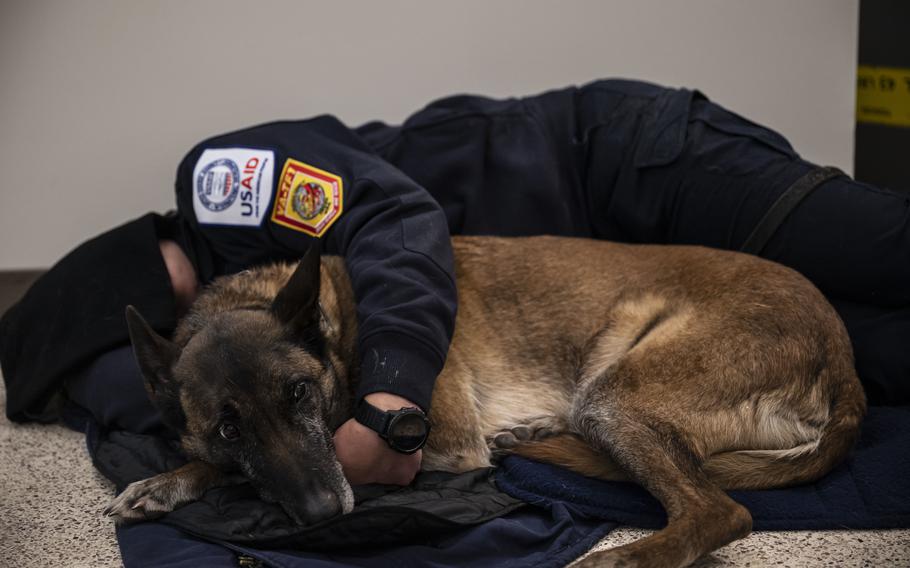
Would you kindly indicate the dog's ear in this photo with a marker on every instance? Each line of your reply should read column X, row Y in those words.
column 156, row 355
column 297, row 304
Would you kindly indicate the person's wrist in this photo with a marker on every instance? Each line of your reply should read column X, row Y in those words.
column 396, row 420
column 389, row 401
column 366, row 458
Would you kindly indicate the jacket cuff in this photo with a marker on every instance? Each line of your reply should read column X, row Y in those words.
column 399, row 364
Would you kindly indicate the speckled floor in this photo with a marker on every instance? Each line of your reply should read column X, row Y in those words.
column 51, row 500
column 799, row 549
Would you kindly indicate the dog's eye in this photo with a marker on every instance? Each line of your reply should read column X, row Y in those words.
column 301, row 390
column 229, row 431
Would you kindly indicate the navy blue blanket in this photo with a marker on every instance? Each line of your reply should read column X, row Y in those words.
column 531, row 537
column 571, row 513
column 871, row 490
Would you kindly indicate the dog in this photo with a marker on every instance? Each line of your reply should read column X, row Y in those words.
column 684, row 369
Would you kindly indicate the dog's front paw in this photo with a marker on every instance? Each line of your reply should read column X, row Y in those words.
column 145, row 500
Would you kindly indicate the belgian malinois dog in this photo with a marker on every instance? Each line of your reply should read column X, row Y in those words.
column 687, row 370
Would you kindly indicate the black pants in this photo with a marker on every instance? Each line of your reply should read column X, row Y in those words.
column 111, row 390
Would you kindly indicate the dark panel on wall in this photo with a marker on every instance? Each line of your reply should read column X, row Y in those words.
column 882, row 154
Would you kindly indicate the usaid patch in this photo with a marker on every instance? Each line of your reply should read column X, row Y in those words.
column 233, row 186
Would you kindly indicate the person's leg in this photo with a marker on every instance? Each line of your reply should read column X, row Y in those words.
column 112, row 391
column 851, row 239
column 709, row 177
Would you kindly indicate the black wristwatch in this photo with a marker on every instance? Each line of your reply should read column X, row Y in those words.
column 405, row 430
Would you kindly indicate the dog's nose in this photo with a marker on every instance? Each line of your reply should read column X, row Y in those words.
column 320, row 504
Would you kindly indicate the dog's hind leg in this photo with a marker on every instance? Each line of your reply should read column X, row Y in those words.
column 656, row 453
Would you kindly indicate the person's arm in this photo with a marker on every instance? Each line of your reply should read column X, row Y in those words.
column 396, row 245
column 392, row 234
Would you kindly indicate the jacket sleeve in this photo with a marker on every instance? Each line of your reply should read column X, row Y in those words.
column 396, row 246
column 391, row 232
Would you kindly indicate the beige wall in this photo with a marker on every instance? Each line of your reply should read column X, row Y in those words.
column 100, row 99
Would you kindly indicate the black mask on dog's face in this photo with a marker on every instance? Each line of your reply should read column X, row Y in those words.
column 253, row 390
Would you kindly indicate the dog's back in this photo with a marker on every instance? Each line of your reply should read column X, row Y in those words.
column 683, row 368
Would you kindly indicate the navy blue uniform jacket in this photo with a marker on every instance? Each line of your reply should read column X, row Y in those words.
column 249, row 197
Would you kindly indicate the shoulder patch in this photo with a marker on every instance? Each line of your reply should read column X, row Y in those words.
column 308, row 200
column 232, row 186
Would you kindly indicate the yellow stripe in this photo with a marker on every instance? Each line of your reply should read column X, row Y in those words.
column 883, row 95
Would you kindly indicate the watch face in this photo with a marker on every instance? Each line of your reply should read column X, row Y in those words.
column 408, row 431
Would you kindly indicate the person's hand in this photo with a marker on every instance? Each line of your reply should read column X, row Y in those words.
column 367, row 458
column 183, row 275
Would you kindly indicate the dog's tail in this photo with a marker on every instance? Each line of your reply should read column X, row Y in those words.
column 760, row 469
column 746, row 469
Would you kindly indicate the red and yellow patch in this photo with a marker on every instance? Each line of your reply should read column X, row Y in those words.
column 308, row 200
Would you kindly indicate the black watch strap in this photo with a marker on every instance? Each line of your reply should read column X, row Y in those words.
column 373, row 418
column 408, row 437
